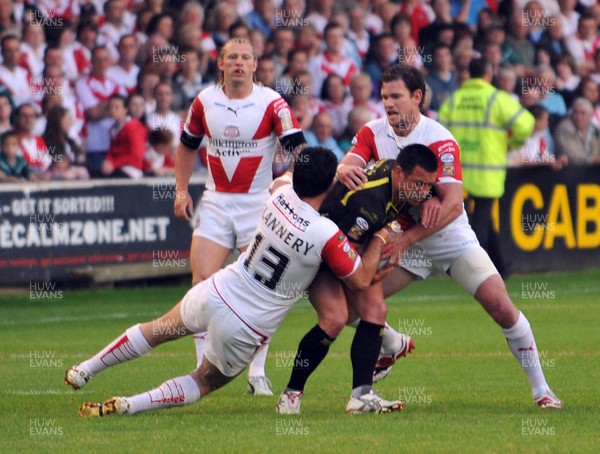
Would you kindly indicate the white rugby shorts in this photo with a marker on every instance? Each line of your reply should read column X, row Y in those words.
column 232, row 344
column 228, row 219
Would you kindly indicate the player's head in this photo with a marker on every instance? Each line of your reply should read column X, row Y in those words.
column 415, row 173
column 237, row 61
column 314, row 169
column 402, row 92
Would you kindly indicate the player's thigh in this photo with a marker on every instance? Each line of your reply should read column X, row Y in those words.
column 207, row 257
column 369, row 303
column 196, row 308
column 232, row 344
column 326, row 294
column 168, row 327
column 396, row 281
column 246, row 211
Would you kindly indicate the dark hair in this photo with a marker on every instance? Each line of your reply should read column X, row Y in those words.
column 330, row 26
column 325, row 87
column 5, row 135
column 537, row 110
column 479, row 66
column 417, row 154
column 411, row 77
column 314, row 170
column 122, row 98
column 85, row 25
column 160, row 136
column 8, row 38
column 154, row 22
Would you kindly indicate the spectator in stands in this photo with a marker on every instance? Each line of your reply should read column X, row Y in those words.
column 506, row 80
column 545, row 81
column 333, row 96
column 265, row 72
column 6, row 110
column 126, row 71
column 301, row 106
column 381, row 56
column 332, row 60
column 136, row 108
column 361, row 90
column 539, row 148
column 8, row 23
column 420, row 14
column 492, row 52
column 33, row 147
column 125, row 158
column 192, row 13
column 320, row 13
column 148, row 79
column 442, row 79
column 595, row 73
column 57, row 138
column 161, row 24
column 117, row 22
column 258, row 42
column 78, row 55
column 568, row 16
column 567, row 80
column 358, row 32
column 349, row 48
column 321, row 134
column 12, row 166
column 283, row 43
column 461, row 57
column 262, row 17
column 240, row 29
column 553, row 40
column 188, row 83
column 357, row 118
column 32, row 48
column 223, row 15
column 589, row 90
column 160, row 156
column 163, row 116
column 12, row 76
column 297, row 62
column 517, row 49
column 576, row 137
column 428, row 35
column 93, row 92
column 533, row 14
column 584, row 44
column 308, row 41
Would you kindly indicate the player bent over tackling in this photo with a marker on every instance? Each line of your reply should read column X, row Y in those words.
column 242, row 305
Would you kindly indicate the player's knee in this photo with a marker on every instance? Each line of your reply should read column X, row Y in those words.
column 333, row 325
column 375, row 312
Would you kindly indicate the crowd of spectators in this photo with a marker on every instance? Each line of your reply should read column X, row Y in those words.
column 94, row 88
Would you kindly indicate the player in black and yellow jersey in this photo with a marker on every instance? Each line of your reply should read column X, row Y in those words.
column 392, row 189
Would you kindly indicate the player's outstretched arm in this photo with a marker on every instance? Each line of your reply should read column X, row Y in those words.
column 351, row 172
column 366, row 271
column 184, row 166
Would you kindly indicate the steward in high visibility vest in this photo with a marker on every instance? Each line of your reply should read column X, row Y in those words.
column 486, row 123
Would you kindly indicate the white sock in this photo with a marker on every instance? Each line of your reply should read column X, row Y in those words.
column 172, row 393
column 127, row 346
column 200, row 341
column 257, row 366
column 392, row 340
column 522, row 345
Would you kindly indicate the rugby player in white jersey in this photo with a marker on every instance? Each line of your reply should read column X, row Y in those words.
column 242, row 305
column 451, row 245
column 241, row 121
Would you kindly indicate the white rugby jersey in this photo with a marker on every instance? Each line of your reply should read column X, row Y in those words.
column 241, row 136
column 282, row 260
column 376, row 140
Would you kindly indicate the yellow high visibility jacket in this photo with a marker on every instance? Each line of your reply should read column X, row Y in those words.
column 485, row 122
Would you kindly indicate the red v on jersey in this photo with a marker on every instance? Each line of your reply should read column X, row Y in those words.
column 241, row 179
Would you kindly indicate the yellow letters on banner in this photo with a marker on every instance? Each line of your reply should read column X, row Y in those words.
column 527, row 242
column 529, row 234
column 588, row 214
column 560, row 209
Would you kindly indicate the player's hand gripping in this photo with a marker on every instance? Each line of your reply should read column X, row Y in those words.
column 431, row 212
column 184, row 206
column 353, row 177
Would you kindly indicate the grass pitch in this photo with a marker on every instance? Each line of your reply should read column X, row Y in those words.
column 463, row 390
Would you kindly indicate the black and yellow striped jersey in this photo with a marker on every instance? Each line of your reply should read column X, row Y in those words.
column 359, row 214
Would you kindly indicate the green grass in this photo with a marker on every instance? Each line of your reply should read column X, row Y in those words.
column 464, row 391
